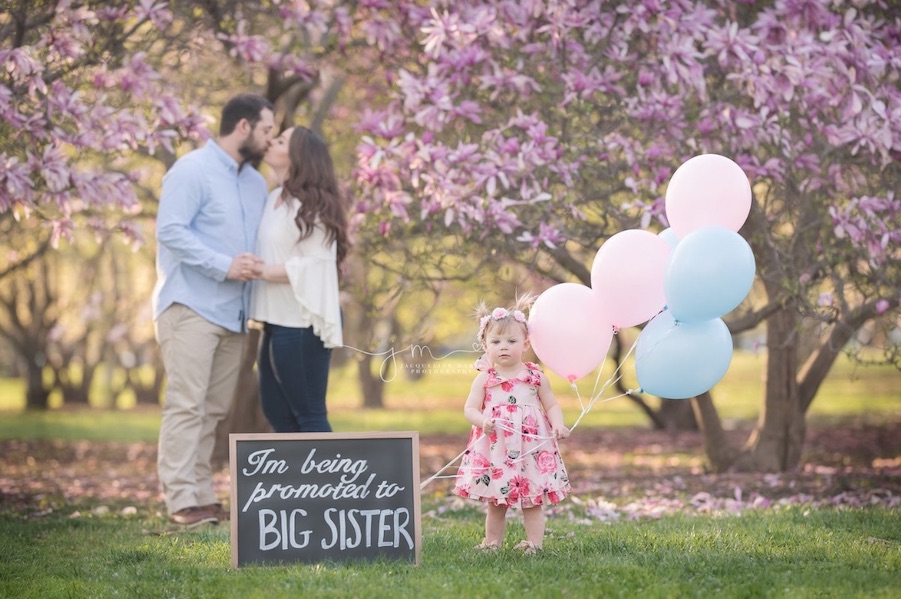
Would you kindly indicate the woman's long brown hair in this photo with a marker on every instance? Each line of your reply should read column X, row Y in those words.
column 312, row 180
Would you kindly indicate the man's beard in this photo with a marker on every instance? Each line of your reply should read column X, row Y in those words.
column 250, row 153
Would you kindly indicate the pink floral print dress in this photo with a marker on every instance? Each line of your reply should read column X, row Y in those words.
column 519, row 464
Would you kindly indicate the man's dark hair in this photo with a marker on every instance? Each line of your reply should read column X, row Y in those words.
column 244, row 106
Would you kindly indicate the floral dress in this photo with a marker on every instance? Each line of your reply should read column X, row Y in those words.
column 519, row 464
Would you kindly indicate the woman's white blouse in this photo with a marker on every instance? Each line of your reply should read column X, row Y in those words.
column 310, row 298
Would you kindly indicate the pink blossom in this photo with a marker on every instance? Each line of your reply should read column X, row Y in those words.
column 437, row 32
column 17, row 184
column 383, row 34
column 155, row 11
column 20, row 63
column 54, row 169
column 247, row 47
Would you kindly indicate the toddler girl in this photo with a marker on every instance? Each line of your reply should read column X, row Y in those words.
column 512, row 459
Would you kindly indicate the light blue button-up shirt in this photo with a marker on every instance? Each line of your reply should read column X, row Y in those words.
column 208, row 214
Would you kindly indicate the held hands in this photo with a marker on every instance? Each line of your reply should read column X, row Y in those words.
column 245, row 267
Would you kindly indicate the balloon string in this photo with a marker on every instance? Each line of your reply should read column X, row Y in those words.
column 449, row 464
column 596, row 401
column 596, row 394
column 499, row 425
column 613, row 377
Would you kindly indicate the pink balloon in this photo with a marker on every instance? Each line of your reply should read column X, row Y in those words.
column 708, row 190
column 568, row 330
column 628, row 276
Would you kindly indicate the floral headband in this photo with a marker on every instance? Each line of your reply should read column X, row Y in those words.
column 500, row 314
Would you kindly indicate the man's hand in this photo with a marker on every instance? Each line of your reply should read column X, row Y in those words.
column 245, row 267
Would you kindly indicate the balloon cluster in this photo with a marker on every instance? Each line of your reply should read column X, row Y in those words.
column 682, row 281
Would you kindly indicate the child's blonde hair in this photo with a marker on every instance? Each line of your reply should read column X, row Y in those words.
column 502, row 318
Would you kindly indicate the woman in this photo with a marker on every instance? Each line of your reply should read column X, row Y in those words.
column 303, row 240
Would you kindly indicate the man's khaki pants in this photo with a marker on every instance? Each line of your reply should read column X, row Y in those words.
column 202, row 362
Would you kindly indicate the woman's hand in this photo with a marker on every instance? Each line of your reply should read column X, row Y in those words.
column 273, row 273
column 245, row 267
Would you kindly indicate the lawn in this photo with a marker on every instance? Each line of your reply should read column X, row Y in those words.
column 787, row 553
column 80, row 514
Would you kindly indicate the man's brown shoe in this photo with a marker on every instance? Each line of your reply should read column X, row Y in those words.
column 194, row 516
column 220, row 512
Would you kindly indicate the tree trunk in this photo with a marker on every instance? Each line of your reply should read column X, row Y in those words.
column 720, row 454
column 36, row 396
column 372, row 386
column 776, row 443
column 246, row 415
column 677, row 415
column 146, row 393
column 75, row 395
column 76, row 389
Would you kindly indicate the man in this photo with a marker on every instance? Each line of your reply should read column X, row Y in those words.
column 211, row 204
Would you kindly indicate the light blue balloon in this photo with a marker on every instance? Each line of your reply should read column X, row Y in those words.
column 709, row 273
column 678, row 360
column 670, row 237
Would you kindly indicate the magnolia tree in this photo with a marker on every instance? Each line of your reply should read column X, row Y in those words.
column 76, row 94
column 539, row 129
column 79, row 98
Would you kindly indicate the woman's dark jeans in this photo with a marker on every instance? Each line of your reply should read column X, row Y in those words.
column 294, row 367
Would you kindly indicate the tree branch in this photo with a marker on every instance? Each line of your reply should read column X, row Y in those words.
column 568, row 262
column 751, row 319
column 814, row 371
column 40, row 251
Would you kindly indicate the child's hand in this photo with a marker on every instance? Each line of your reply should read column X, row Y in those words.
column 561, row 432
column 488, row 426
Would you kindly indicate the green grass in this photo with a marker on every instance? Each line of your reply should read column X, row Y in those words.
column 790, row 553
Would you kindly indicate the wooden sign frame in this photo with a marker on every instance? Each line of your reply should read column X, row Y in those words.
column 313, row 497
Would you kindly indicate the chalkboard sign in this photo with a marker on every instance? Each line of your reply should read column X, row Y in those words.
column 312, row 497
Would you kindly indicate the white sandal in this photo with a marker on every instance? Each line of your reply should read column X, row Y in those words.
column 528, row 547
column 487, row 545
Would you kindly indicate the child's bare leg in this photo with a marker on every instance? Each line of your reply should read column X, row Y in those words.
column 533, row 519
column 495, row 522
